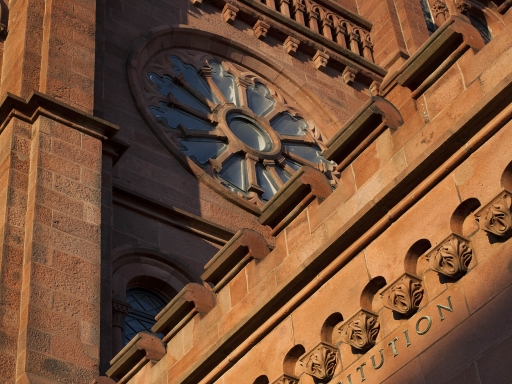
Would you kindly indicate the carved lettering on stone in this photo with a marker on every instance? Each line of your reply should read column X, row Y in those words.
column 361, row 330
column 496, row 217
column 452, row 257
column 321, row 361
column 404, row 296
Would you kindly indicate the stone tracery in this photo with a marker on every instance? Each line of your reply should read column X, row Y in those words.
column 231, row 123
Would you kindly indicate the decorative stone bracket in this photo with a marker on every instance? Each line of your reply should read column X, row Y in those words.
column 436, row 56
column 321, row 362
column 286, row 379
column 404, row 295
column 291, row 45
column 361, row 330
column 229, row 13
column 359, row 131
column 260, row 29
column 142, row 349
column 306, row 184
column 452, row 257
column 320, row 60
column 245, row 245
column 496, row 217
column 192, row 299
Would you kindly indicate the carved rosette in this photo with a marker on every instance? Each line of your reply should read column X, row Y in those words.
column 496, row 216
column 404, row 295
column 462, row 5
column 361, row 330
column 286, row 379
column 321, row 361
column 439, row 8
column 452, row 257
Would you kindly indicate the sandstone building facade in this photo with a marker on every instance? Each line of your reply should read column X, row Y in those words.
column 256, row 191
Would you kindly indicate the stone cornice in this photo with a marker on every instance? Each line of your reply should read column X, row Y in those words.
column 39, row 104
column 465, row 136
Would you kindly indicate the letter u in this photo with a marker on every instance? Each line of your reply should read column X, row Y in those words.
column 381, row 359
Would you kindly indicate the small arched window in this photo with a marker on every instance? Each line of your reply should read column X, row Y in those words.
column 145, row 306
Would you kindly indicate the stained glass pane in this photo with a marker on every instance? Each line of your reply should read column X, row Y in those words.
column 293, row 165
column 266, row 182
column 258, row 97
column 166, row 86
column 249, row 132
column 286, row 124
column 226, row 82
column 481, row 25
column 202, row 150
column 145, row 306
column 310, row 153
column 173, row 117
column 235, row 173
column 193, row 78
column 283, row 175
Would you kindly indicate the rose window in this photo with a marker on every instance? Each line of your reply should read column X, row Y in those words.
column 232, row 125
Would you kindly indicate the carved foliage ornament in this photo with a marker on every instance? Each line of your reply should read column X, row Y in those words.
column 286, row 379
column 440, row 7
column 405, row 295
column 225, row 122
column 321, row 362
column 462, row 5
column 496, row 217
column 361, row 330
column 452, row 257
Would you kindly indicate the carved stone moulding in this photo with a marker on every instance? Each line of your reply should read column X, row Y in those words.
column 321, row 362
column 286, row 379
column 404, row 295
column 361, row 330
column 496, row 217
column 452, row 257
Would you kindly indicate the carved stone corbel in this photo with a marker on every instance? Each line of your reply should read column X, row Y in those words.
column 404, row 295
column 349, row 75
column 320, row 60
column 440, row 11
column 142, row 349
column 286, row 379
column 192, row 299
column 496, row 217
column 260, row 29
column 291, row 45
column 229, row 13
column 321, row 361
column 361, row 330
column 452, row 257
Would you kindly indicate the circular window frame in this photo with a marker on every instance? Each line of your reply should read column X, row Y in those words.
column 151, row 54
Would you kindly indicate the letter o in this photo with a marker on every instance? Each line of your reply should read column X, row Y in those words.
column 428, row 326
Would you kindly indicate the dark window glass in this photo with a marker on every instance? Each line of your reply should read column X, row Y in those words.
column 258, row 97
column 145, row 306
column 431, row 26
column 481, row 25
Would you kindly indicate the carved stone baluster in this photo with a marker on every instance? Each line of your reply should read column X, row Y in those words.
column 341, row 32
column 284, row 7
column 327, row 25
column 354, row 42
column 368, row 48
column 299, row 8
column 313, row 18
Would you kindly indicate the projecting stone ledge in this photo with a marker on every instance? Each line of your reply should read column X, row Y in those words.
column 375, row 116
column 192, row 299
column 294, row 197
column 245, row 245
column 142, row 349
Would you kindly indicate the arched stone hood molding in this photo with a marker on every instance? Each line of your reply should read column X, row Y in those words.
column 179, row 37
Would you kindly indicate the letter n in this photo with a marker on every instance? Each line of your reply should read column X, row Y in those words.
column 441, row 307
